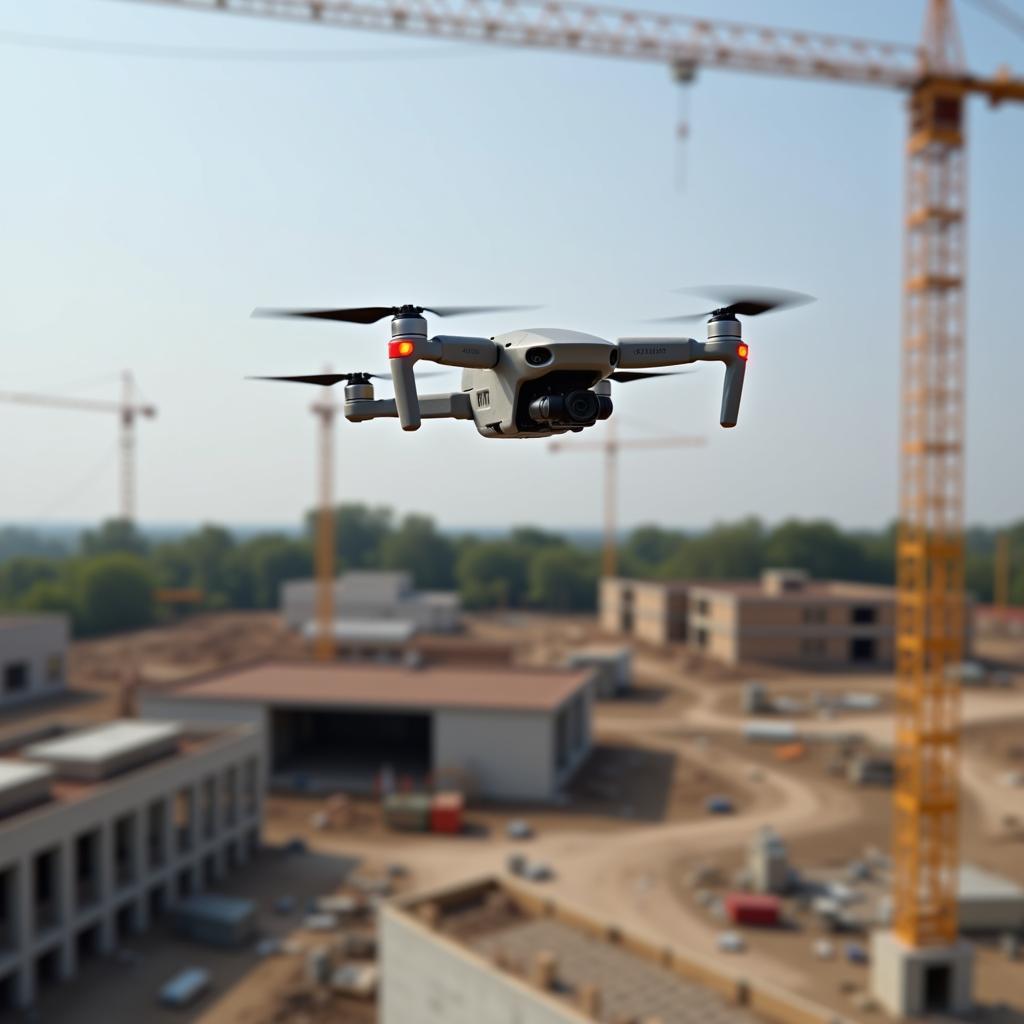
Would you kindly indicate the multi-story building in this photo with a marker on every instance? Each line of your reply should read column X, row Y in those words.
column 33, row 649
column 102, row 830
column 784, row 618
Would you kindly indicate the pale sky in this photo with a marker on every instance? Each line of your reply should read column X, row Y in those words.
column 149, row 204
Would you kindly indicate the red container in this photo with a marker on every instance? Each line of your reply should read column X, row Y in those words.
column 753, row 908
column 446, row 813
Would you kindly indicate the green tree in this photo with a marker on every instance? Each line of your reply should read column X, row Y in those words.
column 492, row 573
column 563, row 578
column 48, row 596
column 259, row 566
column 113, row 535
column 359, row 532
column 419, row 548
column 115, row 592
column 819, row 547
column 19, row 575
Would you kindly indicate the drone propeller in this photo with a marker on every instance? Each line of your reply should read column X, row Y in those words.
column 736, row 300
column 371, row 314
column 626, row 376
column 328, row 379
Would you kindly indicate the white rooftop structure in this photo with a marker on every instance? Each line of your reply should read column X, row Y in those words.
column 371, row 595
column 22, row 784
column 107, row 749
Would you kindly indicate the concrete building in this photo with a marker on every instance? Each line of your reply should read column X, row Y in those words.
column 653, row 611
column 374, row 596
column 494, row 951
column 500, row 732
column 101, row 830
column 784, row 618
column 33, row 651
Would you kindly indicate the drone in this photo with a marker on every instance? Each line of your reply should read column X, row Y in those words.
column 536, row 382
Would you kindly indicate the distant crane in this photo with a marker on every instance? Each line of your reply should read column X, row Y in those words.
column 1001, row 595
column 326, row 410
column 128, row 410
column 611, row 446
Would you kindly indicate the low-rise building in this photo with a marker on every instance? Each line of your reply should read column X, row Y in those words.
column 368, row 596
column 499, row 732
column 784, row 618
column 492, row 951
column 104, row 829
column 33, row 654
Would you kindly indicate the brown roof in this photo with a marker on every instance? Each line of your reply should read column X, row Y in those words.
column 484, row 687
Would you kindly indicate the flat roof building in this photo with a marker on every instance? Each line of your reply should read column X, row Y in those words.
column 367, row 596
column 100, row 831
column 33, row 652
column 783, row 618
column 492, row 951
column 500, row 732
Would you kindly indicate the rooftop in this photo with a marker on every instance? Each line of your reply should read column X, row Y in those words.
column 604, row 973
column 499, row 688
column 110, row 740
column 16, row 620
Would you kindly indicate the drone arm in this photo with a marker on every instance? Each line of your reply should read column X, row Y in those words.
column 729, row 349
column 448, row 350
column 431, row 407
column 642, row 353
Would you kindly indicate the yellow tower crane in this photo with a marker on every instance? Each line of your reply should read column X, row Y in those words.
column 326, row 411
column 128, row 410
column 930, row 555
column 611, row 446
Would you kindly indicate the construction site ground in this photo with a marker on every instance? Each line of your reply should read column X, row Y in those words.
column 659, row 755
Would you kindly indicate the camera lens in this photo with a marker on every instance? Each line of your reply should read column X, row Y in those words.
column 582, row 406
column 538, row 356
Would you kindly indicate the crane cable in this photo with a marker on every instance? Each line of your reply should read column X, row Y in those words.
column 1001, row 12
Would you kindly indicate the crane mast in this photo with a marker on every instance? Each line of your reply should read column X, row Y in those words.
column 326, row 410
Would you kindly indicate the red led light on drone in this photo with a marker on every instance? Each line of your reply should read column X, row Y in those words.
column 400, row 347
column 742, row 351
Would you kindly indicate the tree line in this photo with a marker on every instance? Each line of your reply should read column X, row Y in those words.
column 108, row 579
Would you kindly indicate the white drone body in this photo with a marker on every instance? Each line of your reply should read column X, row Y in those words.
column 532, row 383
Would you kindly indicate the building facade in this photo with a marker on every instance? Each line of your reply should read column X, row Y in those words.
column 102, row 830
column 497, row 732
column 652, row 611
column 785, row 618
column 33, row 653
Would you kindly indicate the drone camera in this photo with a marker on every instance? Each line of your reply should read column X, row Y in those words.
column 576, row 408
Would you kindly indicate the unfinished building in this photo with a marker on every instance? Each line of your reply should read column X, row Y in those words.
column 784, row 618
column 103, row 830
column 33, row 650
column 492, row 951
column 498, row 732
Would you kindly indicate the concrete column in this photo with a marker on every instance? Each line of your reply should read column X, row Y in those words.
column 140, row 855
column 105, row 865
column 24, row 931
column 68, row 959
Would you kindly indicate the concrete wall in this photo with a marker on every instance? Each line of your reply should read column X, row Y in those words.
column 430, row 980
column 653, row 612
column 227, row 769
column 34, row 648
column 508, row 755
